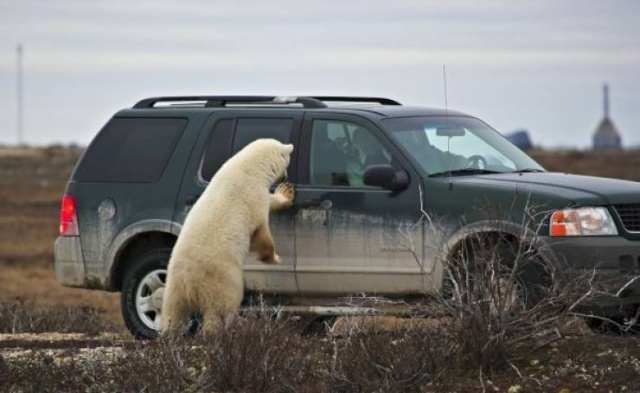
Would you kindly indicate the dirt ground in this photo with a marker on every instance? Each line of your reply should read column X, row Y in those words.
column 32, row 181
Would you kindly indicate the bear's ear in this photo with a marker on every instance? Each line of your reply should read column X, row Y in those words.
column 288, row 148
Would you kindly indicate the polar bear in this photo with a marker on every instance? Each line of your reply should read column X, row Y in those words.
column 228, row 221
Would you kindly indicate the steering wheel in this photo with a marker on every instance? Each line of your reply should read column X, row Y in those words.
column 476, row 160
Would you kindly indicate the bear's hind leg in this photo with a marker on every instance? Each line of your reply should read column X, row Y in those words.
column 262, row 244
column 176, row 314
column 222, row 305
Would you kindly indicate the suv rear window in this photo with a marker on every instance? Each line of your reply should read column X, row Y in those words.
column 131, row 150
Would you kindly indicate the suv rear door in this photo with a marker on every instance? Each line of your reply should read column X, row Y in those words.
column 225, row 133
column 352, row 238
column 128, row 179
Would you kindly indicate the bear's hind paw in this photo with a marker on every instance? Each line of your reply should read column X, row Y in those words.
column 274, row 260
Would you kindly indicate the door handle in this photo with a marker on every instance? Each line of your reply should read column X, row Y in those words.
column 191, row 200
column 322, row 204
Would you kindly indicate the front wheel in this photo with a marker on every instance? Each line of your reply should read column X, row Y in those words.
column 498, row 273
column 142, row 293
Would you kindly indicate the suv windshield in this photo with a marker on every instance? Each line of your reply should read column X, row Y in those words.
column 458, row 145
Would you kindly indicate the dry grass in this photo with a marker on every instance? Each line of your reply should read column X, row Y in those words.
column 611, row 163
column 32, row 182
column 24, row 316
column 266, row 355
column 37, row 284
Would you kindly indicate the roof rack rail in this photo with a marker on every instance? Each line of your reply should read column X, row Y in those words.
column 378, row 100
column 217, row 101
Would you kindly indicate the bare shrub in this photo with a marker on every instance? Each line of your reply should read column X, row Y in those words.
column 22, row 316
column 389, row 360
column 167, row 365
column 249, row 354
column 505, row 299
column 41, row 373
column 153, row 367
column 258, row 353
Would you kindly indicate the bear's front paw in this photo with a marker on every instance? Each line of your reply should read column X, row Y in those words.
column 285, row 193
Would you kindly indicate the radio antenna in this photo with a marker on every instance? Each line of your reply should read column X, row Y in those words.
column 446, row 117
column 444, row 77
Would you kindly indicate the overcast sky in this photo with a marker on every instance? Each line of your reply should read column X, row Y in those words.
column 537, row 65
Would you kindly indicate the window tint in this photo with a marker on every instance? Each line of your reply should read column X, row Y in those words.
column 217, row 150
column 248, row 130
column 131, row 150
column 341, row 151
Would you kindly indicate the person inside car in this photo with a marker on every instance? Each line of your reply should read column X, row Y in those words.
column 366, row 150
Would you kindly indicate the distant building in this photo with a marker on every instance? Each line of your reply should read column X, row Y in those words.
column 606, row 135
column 521, row 139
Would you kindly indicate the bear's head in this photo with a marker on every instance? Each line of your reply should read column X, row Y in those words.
column 267, row 158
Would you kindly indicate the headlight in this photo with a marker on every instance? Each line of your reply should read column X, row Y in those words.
column 584, row 221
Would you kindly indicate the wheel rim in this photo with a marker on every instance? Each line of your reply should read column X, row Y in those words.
column 502, row 294
column 148, row 298
column 513, row 294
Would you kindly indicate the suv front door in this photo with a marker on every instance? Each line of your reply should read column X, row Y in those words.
column 352, row 238
column 224, row 134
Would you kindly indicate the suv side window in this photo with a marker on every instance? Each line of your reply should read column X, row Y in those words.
column 340, row 152
column 246, row 131
column 131, row 150
column 250, row 129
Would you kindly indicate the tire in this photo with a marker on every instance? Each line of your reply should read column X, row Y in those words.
column 531, row 274
column 142, row 290
column 315, row 325
column 614, row 325
column 601, row 326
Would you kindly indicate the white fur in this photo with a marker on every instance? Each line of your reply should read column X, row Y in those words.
column 205, row 269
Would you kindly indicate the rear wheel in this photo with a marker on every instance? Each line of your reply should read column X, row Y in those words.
column 142, row 293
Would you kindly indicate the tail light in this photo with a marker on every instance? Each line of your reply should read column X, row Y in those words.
column 68, row 216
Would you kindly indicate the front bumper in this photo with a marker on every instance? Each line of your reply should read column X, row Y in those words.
column 69, row 264
column 612, row 265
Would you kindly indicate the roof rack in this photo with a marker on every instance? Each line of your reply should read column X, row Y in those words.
column 376, row 100
column 218, row 101
column 221, row 101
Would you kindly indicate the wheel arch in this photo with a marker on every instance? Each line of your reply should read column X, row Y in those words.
column 135, row 240
column 510, row 230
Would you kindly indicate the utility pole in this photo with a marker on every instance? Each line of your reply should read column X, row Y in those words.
column 19, row 94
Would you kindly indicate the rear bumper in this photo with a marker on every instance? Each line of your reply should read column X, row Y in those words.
column 69, row 264
column 612, row 262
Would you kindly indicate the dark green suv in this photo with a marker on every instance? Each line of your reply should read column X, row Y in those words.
column 384, row 193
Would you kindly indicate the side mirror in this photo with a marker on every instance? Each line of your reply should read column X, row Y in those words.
column 386, row 176
column 450, row 131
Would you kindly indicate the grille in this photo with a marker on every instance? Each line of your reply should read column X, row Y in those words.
column 630, row 216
